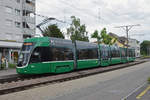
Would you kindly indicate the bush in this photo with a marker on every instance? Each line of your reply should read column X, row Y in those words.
column 2, row 66
column 148, row 80
column 11, row 65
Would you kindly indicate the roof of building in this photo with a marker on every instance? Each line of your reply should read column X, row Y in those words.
column 121, row 39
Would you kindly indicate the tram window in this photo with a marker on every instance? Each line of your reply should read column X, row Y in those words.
column 35, row 56
column 129, row 52
column 93, row 53
column 57, row 54
column 68, row 54
column 118, row 53
column 112, row 53
column 115, row 52
column 87, row 53
column 123, row 53
column 105, row 54
column 133, row 53
column 102, row 52
column 83, row 54
column 44, row 54
column 61, row 54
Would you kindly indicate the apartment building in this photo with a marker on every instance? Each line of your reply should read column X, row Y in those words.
column 133, row 43
column 17, row 22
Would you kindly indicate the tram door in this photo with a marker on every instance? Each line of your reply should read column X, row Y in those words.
column 105, row 55
column 108, row 56
column 123, row 55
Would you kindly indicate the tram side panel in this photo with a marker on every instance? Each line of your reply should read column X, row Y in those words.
column 87, row 55
column 115, row 55
column 62, row 53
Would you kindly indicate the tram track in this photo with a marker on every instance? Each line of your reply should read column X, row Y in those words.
column 20, row 83
column 17, row 77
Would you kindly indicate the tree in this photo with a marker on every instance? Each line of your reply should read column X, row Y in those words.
column 53, row 31
column 107, row 39
column 97, row 36
column 145, row 47
column 103, row 37
column 76, row 31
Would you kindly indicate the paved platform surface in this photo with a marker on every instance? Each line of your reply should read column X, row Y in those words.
column 5, row 72
column 113, row 85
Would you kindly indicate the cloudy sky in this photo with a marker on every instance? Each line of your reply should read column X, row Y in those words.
column 96, row 14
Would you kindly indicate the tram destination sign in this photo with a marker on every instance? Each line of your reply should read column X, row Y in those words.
column 60, row 42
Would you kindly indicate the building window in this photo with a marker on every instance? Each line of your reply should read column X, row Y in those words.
column 9, row 10
column 30, row 1
column 17, row 12
column 18, row 1
column 25, row 25
column 8, row 36
column 18, row 37
column 17, row 24
column 26, row 36
column 8, row 22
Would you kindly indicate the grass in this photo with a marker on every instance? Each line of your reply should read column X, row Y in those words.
column 148, row 80
column 145, row 56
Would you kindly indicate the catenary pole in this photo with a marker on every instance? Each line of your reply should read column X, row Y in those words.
column 127, row 28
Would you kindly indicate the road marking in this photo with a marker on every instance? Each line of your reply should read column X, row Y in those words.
column 142, row 93
column 134, row 91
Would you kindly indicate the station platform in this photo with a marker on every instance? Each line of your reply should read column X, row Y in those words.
column 6, row 72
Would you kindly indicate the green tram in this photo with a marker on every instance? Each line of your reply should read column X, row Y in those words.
column 53, row 55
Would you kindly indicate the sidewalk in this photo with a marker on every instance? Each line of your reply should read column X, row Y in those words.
column 7, row 72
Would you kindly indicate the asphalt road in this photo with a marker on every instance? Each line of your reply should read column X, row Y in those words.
column 113, row 85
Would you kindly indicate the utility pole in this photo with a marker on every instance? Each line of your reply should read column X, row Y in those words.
column 127, row 28
column 99, row 16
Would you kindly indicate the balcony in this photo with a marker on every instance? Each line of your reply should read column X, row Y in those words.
column 27, row 31
column 29, row 7
column 29, row 19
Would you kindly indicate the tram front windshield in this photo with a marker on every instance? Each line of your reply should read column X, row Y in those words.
column 24, row 54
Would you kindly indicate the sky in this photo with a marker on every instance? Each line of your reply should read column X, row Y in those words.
column 97, row 14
